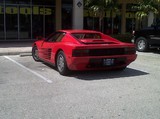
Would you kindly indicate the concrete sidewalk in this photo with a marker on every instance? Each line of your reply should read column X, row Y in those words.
column 15, row 48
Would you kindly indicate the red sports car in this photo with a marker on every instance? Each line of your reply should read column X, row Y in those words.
column 83, row 50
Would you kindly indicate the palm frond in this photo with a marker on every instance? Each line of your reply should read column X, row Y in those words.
column 143, row 8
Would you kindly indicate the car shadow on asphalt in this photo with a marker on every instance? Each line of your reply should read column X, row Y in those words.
column 154, row 51
column 101, row 75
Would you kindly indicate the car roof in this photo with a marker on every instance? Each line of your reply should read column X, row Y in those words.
column 79, row 31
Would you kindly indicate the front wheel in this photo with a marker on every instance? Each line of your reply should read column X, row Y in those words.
column 62, row 64
column 35, row 53
column 141, row 44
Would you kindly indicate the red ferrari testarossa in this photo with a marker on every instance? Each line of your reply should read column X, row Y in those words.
column 83, row 50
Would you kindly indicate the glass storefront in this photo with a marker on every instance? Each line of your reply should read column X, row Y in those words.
column 23, row 20
column 1, row 21
column 67, row 16
column 111, row 23
column 11, row 22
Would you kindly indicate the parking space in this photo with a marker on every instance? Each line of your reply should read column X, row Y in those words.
column 35, row 90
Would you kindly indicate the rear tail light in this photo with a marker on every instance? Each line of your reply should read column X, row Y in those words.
column 80, row 53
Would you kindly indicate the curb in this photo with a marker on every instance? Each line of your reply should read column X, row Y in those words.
column 24, row 51
column 16, row 53
column 25, row 54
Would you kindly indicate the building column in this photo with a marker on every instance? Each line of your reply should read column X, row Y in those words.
column 150, row 18
column 123, row 19
column 77, row 14
column 58, row 14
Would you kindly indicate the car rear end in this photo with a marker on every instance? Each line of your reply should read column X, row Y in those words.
column 104, row 56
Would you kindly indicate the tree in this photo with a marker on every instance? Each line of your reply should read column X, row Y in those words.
column 99, row 8
column 144, row 7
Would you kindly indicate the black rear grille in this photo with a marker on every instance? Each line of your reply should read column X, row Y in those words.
column 103, row 52
column 106, row 52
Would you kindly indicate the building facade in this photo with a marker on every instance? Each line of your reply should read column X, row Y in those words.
column 121, row 21
column 24, row 20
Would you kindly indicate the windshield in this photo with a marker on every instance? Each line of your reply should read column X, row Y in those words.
column 86, row 35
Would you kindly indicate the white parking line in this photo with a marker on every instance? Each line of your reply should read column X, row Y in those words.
column 45, row 79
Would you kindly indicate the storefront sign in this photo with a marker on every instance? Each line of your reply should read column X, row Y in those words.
column 88, row 13
column 36, row 10
column 108, row 14
column 79, row 4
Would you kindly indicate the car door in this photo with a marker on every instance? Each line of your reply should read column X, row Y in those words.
column 155, row 36
column 47, row 47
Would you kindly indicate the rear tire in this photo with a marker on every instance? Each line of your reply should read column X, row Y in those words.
column 62, row 64
column 142, row 44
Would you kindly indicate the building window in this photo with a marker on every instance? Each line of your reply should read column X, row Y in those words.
column 2, row 23
column 11, row 18
column 67, row 16
column 24, row 22
column 43, row 2
column 26, row 19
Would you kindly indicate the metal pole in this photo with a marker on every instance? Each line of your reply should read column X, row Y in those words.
column 31, row 19
column 4, row 20
column 44, row 24
column 18, row 22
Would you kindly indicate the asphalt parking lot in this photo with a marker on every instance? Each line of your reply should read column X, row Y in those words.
column 34, row 90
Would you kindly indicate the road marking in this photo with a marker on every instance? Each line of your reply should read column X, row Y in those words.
column 45, row 79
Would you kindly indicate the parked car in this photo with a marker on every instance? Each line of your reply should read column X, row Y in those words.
column 83, row 50
column 147, row 38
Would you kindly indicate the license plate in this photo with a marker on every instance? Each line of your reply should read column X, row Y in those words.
column 108, row 62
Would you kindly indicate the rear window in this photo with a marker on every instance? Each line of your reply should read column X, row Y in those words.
column 86, row 35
